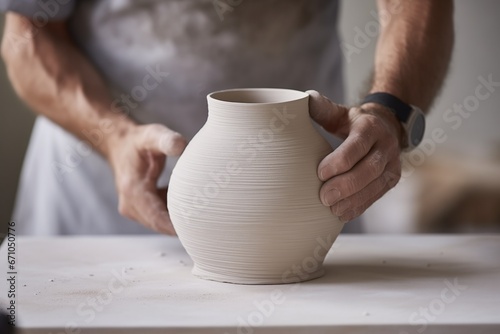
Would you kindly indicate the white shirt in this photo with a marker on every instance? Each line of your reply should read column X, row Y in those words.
column 166, row 55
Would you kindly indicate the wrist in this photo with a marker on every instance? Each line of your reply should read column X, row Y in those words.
column 117, row 130
column 390, row 119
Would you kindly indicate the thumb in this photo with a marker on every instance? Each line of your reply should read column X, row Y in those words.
column 326, row 113
column 160, row 139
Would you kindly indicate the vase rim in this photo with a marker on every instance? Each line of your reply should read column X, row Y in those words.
column 255, row 96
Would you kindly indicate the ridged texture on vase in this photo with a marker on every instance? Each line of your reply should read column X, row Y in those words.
column 244, row 195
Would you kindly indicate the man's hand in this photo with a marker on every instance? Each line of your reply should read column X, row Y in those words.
column 137, row 156
column 367, row 164
column 59, row 82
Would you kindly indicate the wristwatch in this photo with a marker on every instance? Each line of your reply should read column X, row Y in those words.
column 411, row 117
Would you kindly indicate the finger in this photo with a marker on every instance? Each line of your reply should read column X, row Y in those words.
column 156, row 163
column 392, row 173
column 157, row 215
column 326, row 113
column 142, row 202
column 151, row 208
column 160, row 139
column 356, row 206
column 353, row 181
column 164, row 214
column 358, row 211
column 356, row 146
column 360, row 198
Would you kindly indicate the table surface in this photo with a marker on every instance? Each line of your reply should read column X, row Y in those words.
column 374, row 283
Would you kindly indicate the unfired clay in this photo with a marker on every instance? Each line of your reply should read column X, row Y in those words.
column 244, row 196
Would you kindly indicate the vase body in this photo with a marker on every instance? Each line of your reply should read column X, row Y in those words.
column 244, row 195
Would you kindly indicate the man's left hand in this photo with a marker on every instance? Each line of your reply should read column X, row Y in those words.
column 367, row 164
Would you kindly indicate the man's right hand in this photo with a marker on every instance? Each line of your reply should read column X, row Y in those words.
column 137, row 156
column 56, row 79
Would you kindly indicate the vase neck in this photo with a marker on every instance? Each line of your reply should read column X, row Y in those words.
column 258, row 107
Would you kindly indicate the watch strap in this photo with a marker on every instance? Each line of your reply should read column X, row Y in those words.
column 400, row 109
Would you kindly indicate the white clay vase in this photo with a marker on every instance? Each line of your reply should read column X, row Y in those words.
column 244, row 195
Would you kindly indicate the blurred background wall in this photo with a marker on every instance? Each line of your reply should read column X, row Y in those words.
column 448, row 182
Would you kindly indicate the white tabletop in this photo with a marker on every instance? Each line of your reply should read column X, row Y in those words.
column 374, row 284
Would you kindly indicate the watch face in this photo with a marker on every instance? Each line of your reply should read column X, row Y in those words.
column 417, row 130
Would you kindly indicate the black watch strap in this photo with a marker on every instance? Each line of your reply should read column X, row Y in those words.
column 400, row 109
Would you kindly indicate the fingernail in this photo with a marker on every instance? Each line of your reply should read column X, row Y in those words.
column 331, row 197
column 323, row 172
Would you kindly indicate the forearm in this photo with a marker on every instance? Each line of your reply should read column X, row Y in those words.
column 414, row 49
column 55, row 79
